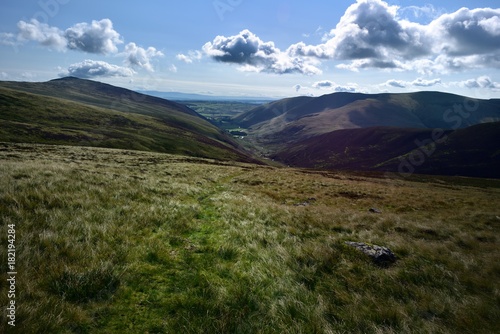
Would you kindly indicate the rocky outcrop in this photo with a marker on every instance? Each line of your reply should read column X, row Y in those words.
column 381, row 256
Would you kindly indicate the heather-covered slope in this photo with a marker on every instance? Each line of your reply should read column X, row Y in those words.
column 474, row 151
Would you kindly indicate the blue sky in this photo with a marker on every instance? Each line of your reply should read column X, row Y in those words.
column 257, row 48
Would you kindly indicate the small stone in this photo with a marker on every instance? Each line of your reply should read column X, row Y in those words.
column 374, row 210
column 382, row 256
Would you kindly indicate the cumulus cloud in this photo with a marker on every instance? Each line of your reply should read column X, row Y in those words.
column 415, row 83
column 373, row 34
column 140, row 57
column 42, row 33
column 370, row 29
column 452, row 42
column 96, row 37
column 483, row 82
column 330, row 85
column 255, row 55
column 94, row 68
column 468, row 32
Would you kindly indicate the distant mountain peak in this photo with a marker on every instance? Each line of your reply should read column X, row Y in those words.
column 69, row 78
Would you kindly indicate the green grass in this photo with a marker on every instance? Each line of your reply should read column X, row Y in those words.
column 113, row 241
column 31, row 118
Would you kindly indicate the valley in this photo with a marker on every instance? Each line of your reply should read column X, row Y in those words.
column 135, row 214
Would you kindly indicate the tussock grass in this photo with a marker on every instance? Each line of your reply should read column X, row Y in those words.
column 127, row 242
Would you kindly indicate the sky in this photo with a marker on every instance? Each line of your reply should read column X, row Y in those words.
column 257, row 48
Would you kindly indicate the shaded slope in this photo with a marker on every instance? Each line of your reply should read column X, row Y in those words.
column 474, row 151
column 149, row 124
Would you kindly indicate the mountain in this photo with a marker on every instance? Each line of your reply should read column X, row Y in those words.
column 83, row 112
column 378, row 131
column 304, row 117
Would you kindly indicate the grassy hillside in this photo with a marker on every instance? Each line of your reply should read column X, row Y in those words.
column 375, row 131
column 93, row 114
column 277, row 126
column 115, row 241
column 473, row 151
column 355, row 110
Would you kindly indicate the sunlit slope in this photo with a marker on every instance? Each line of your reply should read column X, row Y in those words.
column 95, row 114
column 302, row 117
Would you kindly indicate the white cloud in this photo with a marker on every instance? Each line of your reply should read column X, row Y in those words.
column 3, row 75
column 491, row 25
column 396, row 83
column 255, row 55
column 372, row 34
column 425, row 83
column 370, row 29
column 140, row 57
column 96, row 37
column 42, row 33
column 467, row 32
column 330, row 85
column 94, row 68
column 483, row 82
column 190, row 57
column 415, row 83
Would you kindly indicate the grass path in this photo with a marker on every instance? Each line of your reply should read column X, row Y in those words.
column 114, row 241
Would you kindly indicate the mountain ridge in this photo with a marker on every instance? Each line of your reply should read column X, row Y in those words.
column 85, row 112
column 422, row 109
column 356, row 131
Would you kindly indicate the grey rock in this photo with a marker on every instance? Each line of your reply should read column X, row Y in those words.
column 382, row 256
column 374, row 210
